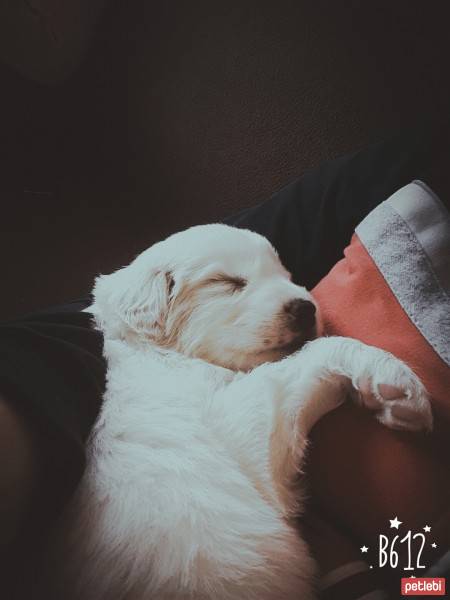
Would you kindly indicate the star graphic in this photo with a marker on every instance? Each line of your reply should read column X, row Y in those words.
column 427, row 529
column 364, row 549
column 433, row 545
column 371, row 567
column 395, row 523
column 412, row 577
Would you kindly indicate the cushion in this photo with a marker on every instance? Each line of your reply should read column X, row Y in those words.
column 391, row 290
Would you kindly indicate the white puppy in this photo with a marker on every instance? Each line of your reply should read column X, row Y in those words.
column 191, row 480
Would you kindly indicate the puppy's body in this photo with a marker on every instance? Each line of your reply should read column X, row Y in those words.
column 193, row 463
column 178, row 501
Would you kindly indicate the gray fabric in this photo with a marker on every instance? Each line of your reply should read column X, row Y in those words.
column 408, row 237
column 429, row 220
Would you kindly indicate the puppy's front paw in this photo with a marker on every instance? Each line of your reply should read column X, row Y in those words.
column 395, row 394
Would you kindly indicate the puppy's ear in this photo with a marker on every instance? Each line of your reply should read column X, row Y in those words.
column 133, row 298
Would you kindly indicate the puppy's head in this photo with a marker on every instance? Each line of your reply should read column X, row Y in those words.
column 213, row 292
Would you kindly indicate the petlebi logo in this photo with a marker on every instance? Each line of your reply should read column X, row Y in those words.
column 403, row 550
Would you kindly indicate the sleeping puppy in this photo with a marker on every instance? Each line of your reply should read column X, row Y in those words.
column 216, row 375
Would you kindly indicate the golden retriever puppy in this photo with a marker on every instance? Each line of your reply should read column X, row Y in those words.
column 216, row 374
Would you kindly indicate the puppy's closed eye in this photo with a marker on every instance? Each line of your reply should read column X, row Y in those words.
column 170, row 283
column 233, row 283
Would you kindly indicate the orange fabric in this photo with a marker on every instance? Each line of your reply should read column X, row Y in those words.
column 362, row 473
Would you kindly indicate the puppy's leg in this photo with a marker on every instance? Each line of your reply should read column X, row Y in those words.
column 334, row 368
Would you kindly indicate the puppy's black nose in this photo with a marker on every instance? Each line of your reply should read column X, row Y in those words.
column 301, row 313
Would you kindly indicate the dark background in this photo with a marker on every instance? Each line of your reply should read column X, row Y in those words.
column 182, row 112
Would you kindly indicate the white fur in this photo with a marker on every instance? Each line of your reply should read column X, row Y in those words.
column 190, row 486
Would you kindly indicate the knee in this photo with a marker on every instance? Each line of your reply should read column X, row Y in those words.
column 19, row 470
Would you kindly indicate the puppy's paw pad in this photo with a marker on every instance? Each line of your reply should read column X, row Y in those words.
column 369, row 399
column 407, row 418
column 390, row 392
